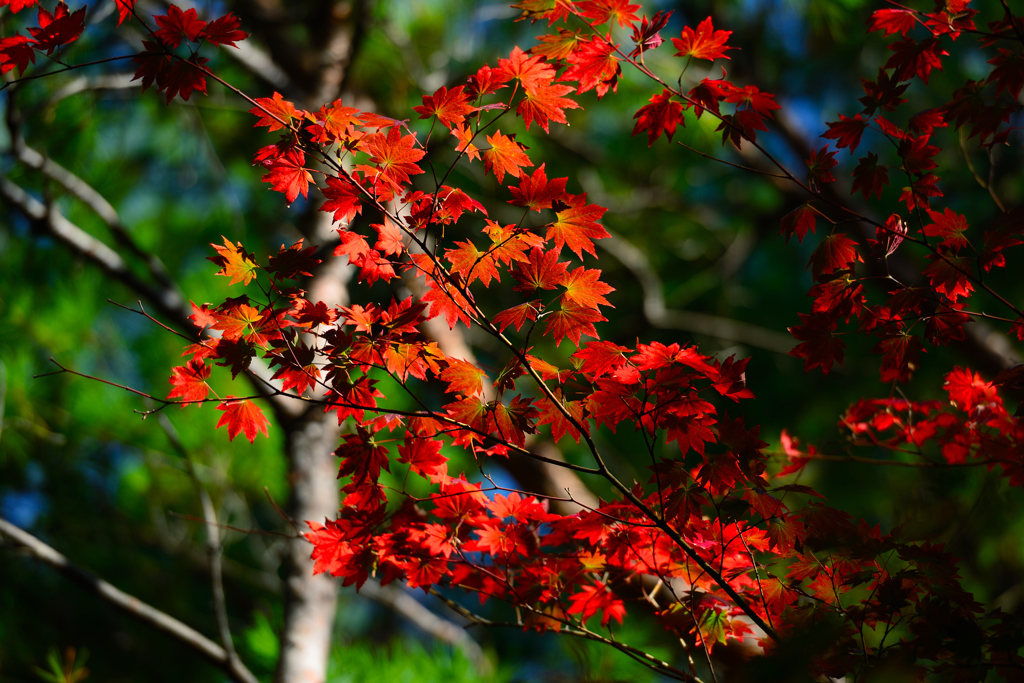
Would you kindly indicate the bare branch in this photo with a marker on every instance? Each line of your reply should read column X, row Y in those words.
column 52, row 221
column 168, row 300
column 423, row 618
column 122, row 81
column 129, row 604
column 260, row 63
column 699, row 323
column 95, row 201
column 213, row 543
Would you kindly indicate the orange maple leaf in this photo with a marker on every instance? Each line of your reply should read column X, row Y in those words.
column 577, row 226
column 505, row 156
column 234, row 262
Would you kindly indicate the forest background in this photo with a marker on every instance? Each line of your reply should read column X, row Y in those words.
column 694, row 240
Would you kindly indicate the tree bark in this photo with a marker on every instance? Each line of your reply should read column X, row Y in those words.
column 310, row 601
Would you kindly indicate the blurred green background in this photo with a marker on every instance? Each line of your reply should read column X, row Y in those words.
column 82, row 471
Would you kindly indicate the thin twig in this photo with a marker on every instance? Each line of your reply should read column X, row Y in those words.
column 129, row 604
column 213, row 542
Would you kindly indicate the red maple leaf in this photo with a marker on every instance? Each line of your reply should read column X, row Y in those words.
column 541, row 270
column 190, row 382
column 517, row 316
column 16, row 51
column 298, row 369
column 57, row 29
column 892, row 21
column 573, row 321
column 656, row 355
column 891, row 235
column 291, row 262
column 389, row 238
column 202, row 317
column 820, row 347
column 596, row 597
column 920, row 190
column 662, row 115
column 869, row 177
column 342, row 198
column 798, row 222
column 646, row 36
column 761, row 102
column 224, row 31
column 246, row 322
column 352, row 245
column 741, row 126
column 466, row 146
column 536, row 191
column 454, row 202
column 470, row 411
column 1008, row 73
column 560, row 424
column 530, row 70
column 334, row 122
column 544, row 103
column 846, row 131
column 552, row 10
column 125, row 10
column 505, row 156
column 949, row 275
column 594, row 65
column 883, row 93
column 424, row 458
column 287, row 175
column 472, row 264
column 948, row 225
column 600, row 357
column 451, row 107
column 395, row 155
column 603, row 11
column 486, row 81
column 911, row 58
column 820, row 165
column 176, row 26
column 585, row 288
column 704, row 43
column 836, row 252
column 242, row 416
column 463, row 377
column 511, row 242
column 967, row 390
column 443, row 296
column 18, row 5
column 402, row 360
column 182, row 77
column 275, row 113
column 577, row 226
column 899, row 356
column 362, row 457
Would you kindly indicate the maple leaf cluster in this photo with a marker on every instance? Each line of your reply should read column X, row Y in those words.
column 744, row 554
column 157, row 64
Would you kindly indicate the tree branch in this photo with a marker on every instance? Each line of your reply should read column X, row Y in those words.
column 213, row 541
column 97, row 203
column 51, row 221
column 423, row 618
column 659, row 315
column 129, row 604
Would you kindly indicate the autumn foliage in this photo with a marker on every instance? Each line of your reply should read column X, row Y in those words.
column 717, row 541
